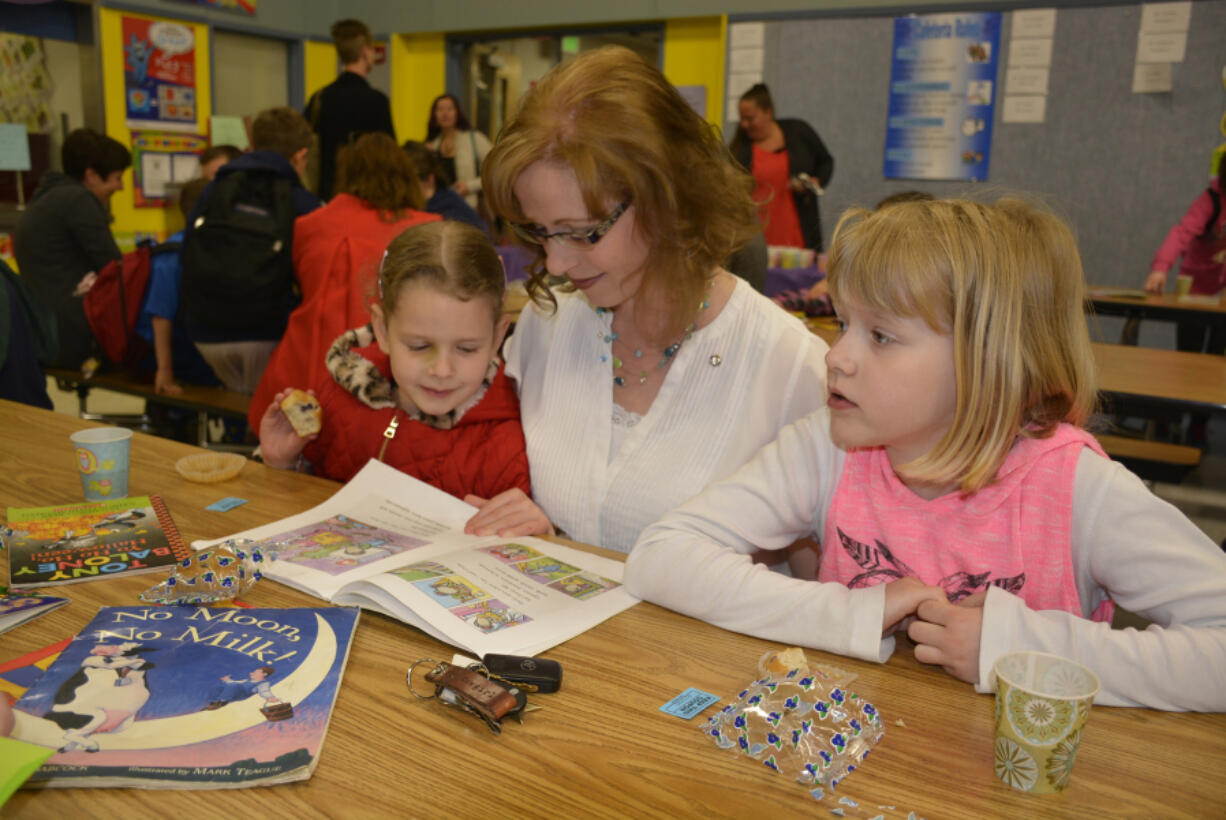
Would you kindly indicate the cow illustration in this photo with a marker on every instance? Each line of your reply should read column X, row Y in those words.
column 104, row 695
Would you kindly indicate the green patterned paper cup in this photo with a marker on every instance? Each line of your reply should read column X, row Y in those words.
column 1042, row 701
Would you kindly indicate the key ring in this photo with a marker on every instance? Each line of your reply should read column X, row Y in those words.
column 408, row 678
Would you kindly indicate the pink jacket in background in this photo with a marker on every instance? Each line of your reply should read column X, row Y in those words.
column 1208, row 275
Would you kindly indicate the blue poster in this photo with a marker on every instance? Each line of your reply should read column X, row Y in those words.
column 942, row 96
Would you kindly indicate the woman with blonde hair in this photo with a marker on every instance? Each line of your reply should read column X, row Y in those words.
column 336, row 260
column 652, row 371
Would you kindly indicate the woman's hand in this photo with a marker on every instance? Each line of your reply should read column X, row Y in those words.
column 1156, row 283
column 280, row 446
column 507, row 514
column 461, row 188
column 947, row 635
column 902, row 599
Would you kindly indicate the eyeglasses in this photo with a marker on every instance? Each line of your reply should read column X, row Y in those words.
column 571, row 239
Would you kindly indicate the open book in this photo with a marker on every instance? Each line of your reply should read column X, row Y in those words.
column 395, row 545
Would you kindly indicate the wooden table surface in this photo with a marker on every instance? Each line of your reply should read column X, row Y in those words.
column 1122, row 301
column 1169, row 380
column 600, row 747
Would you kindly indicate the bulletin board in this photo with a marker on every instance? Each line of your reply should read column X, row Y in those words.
column 161, row 161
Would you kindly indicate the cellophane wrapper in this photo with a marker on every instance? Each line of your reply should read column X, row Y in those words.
column 800, row 725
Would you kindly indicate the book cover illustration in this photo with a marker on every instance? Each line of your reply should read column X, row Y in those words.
column 19, row 674
column 189, row 697
column 83, row 542
column 15, row 610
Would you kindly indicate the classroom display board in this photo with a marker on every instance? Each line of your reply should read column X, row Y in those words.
column 159, row 71
column 942, row 94
column 160, row 161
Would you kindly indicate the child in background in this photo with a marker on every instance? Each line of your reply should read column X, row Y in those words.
column 430, row 396
column 953, row 487
column 173, row 354
column 1200, row 238
column 213, row 158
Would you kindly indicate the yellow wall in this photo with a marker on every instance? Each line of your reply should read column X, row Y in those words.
column 694, row 50
column 419, row 74
column 319, row 66
column 129, row 219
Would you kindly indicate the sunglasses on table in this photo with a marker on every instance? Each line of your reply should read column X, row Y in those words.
column 573, row 239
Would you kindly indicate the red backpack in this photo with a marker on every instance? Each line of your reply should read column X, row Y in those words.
column 112, row 305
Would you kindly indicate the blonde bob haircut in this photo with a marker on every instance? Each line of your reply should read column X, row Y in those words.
column 1005, row 279
column 627, row 134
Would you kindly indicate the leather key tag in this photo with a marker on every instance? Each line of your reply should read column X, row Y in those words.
column 486, row 697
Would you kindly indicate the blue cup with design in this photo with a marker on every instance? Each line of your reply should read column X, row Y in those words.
column 1042, row 702
column 102, row 458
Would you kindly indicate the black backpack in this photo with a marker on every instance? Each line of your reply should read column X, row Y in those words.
column 238, row 271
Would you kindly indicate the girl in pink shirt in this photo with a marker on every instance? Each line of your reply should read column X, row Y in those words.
column 950, row 480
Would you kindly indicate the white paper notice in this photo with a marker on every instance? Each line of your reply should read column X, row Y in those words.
column 154, row 173
column 1035, row 53
column 742, row 60
column 185, row 167
column 1151, row 78
column 1033, row 23
column 1029, row 108
column 1162, row 48
column 1159, row 18
column 747, row 35
column 1026, row 80
column 741, row 81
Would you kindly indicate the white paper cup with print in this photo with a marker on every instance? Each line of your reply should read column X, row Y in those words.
column 1042, row 703
column 102, row 458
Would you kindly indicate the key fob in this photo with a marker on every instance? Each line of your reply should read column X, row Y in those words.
column 544, row 674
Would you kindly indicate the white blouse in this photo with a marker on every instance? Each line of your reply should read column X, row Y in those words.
column 733, row 385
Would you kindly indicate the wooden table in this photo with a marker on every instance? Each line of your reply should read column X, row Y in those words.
column 1144, row 378
column 1136, row 305
column 600, row 747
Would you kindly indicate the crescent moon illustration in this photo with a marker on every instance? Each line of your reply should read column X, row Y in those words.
column 197, row 727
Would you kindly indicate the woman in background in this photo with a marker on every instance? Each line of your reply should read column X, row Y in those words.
column 337, row 249
column 791, row 166
column 460, row 148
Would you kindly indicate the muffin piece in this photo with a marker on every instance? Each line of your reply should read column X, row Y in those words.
column 303, row 411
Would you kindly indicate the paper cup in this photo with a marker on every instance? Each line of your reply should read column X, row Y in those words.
column 1042, row 702
column 1183, row 286
column 102, row 457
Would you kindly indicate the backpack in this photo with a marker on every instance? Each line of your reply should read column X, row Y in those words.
column 238, row 272
column 112, row 305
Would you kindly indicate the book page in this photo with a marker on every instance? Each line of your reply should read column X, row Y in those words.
column 366, row 528
column 515, row 596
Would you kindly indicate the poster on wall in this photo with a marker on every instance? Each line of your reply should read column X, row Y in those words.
column 242, row 6
column 159, row 72
column 161, row 163
column 942, row 96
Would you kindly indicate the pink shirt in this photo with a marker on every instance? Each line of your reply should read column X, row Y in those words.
column 1015, row 533
column 1184, row 239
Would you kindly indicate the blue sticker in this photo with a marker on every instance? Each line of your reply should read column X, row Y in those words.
column 689, row 703
column 226, row 504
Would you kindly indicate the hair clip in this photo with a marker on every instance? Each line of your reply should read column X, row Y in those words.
column 379, row 278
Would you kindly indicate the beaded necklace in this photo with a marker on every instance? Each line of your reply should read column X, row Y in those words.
column 669, row 352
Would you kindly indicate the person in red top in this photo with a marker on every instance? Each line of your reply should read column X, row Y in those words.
column 429, row 396
column 336, row 255
column 790, row 165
